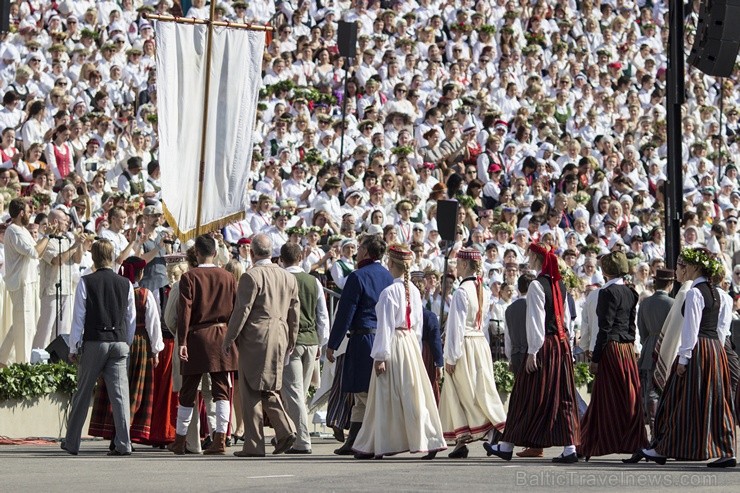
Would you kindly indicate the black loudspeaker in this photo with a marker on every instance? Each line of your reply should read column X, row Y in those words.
column 447, row 219
column 347, row 39
column 717, row 40
column 59, row 349
column 4, row 16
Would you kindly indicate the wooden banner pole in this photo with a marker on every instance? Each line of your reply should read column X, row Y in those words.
column 190, row 20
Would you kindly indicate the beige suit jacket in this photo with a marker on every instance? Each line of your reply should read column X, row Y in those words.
column 264, row 324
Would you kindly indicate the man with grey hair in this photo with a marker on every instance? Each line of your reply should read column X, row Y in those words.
column 264, row 325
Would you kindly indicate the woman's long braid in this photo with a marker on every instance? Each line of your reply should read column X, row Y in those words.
column 406, row 282
column 476, row 266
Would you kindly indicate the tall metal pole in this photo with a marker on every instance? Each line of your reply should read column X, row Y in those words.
column 203, row 133
column 674, row 99
column 344, row 110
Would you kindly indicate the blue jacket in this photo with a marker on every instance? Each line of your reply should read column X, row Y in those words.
column 431, row 336
column 356, row 312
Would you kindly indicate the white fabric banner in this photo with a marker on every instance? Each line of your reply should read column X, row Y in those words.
column 235, row 80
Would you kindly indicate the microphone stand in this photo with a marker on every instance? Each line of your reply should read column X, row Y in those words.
column 58, row 291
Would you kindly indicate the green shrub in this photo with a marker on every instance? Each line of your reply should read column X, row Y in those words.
column 25, row 381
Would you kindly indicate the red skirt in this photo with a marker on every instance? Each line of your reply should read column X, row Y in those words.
column 695, row 420
column 614, row 421
column 542, row 407
column 164, row 408
column 426, row 356
column 141, row 392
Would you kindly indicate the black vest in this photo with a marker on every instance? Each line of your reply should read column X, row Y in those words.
column 105, row 306
column 710, row 313
column 550, row 327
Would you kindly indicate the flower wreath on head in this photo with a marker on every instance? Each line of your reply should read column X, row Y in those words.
column 702, row 258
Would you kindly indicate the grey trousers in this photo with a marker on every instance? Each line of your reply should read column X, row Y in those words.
column 108, row 358
column 296, row 380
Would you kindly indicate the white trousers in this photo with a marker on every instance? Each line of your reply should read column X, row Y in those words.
column 17, row 345
column 48, row 318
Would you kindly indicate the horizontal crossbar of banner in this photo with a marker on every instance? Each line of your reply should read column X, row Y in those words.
column 190, row 20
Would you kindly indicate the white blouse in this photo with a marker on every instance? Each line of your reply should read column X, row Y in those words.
column 391, row 314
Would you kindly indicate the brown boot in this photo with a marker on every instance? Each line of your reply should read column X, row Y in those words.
column 218, row 446
column 178, row 446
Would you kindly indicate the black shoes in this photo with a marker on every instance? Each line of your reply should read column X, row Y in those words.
column 642, row 455
column 636, row 457
column 298, row 452
column 461, row 453
column 495, row 450
column 566, row 459
column 116, row 453
column 63, row 446
column 284, row 444
column 430, row 456
column 722, row 463
column 346, row 448
column 361, row 456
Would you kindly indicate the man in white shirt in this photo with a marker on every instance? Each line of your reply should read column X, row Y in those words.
column 10, row 115
column 121, row 246
column 21, row 281
column 313, row 332
column 103, row 326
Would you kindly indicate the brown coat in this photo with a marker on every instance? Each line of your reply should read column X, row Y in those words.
column 207, row 297
column 264, row 324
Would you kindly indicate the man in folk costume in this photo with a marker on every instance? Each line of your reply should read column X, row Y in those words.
column 401, row 414
column 356, row 316
column 652, row 315
column 201, row 332
column 470, row 407
column 171, row 316
column 700, row 375
column 515, row 340
column 265, row 324
column 614, row 421
column 542, row 406
column 431, row 340
column 313, row 333
column 143, row 358
column 103, row 326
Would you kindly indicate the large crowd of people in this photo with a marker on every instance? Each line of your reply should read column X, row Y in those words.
column 544, row 119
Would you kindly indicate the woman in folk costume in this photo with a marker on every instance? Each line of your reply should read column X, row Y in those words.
column 401, row 415
column 666, row 347
column 694, row 420
column 614, row 421
column 431, row 340
column 143, row 358
column 469, row 406
column 542, row 406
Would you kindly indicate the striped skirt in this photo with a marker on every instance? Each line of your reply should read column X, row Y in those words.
column 542, row 406
column 695, row 418
column 141, row 389
column 426, row 355
column 614, row 421
column 339, row 408
column 164, row 406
